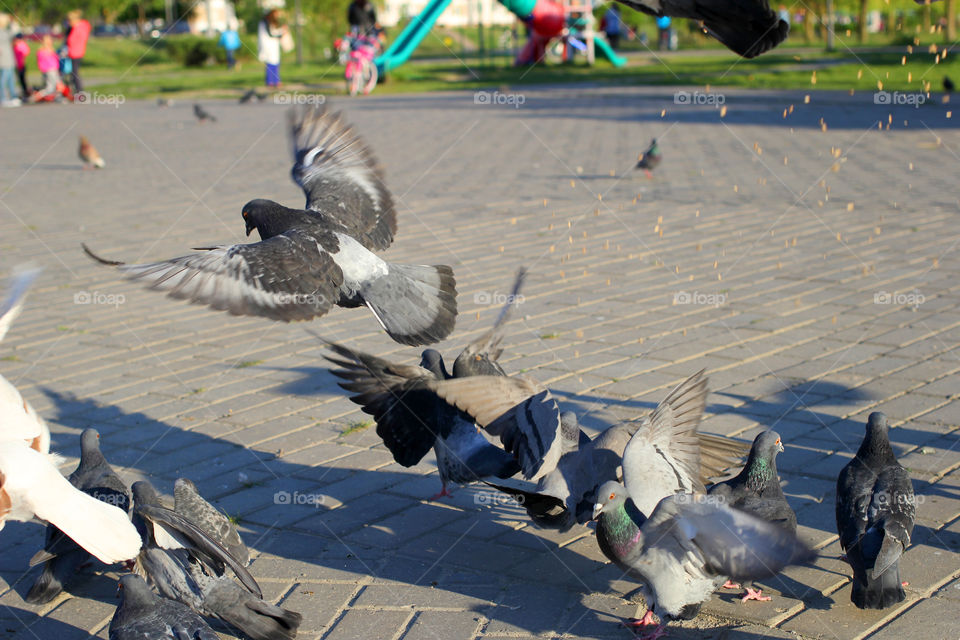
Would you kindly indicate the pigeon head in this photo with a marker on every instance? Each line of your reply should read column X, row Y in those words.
column 184, row 486
column 768, row 444
column 269, row 218
column 610, row 496
column 877, row 424
column 134, row 591
column 432, row 361
column 144, row 493
column 90, row 440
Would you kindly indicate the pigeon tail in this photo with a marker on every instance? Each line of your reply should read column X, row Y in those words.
column 252, row 616
column 46, row 588
column 877, row 593
column 415, row 304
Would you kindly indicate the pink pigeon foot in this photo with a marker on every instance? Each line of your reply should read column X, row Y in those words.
column 904, row 584
column 755, row 594
column 645, row 622
column 444, row 493
column 649, row 175
column 730, row 585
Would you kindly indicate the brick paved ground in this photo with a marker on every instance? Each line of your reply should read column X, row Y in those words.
column 816, row 247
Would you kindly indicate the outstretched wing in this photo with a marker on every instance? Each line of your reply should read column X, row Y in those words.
column 340, row 176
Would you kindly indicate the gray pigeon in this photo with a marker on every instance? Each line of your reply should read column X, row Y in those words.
column 61, row 556
column 142, row 615
column 202, row 114
column 411, row 419
column 756, row 490
column 747, row 27
column 650, row 158
column 876, row 508
column 179, row 575
column 680, row 553
column 309, row 260
column 567, row 494
column 250, row 94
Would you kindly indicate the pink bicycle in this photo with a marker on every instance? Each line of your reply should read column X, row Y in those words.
column 358, row 53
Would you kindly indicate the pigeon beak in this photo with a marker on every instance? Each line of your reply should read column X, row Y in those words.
column 597, row 508
column 780, row 446
column 250, row 228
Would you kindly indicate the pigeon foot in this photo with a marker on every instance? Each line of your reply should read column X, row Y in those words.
column 755, row 594
column 729, row 584
column 444, row 493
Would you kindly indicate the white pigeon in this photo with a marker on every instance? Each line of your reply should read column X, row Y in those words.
column 30, row 484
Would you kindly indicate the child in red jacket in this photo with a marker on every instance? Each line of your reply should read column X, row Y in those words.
column 76, row 40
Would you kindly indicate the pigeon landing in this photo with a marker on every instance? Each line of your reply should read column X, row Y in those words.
column 876, row 508
column 143, row 615
column 88, row 153
column 747, row 27
column 650, row 158
column 756, row 490
column 61, row 556
column 202, row 114
column 689, row 541
column 567, row 493
column 309, row 260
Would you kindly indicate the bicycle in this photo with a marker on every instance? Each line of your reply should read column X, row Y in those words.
column 357, row 54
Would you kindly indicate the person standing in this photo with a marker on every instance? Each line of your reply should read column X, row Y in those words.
column 8, row 88
column 613, row 25
column 21, row 49
column 664, row 33
column 362, row 17
column 272, row 38
column 230, row 41
column 78, row 32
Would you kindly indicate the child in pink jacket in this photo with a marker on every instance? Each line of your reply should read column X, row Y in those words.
column 48, row 63
column 20, row 52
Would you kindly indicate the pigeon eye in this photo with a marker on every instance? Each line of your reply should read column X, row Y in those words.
column 612, row 496
column 245, row 214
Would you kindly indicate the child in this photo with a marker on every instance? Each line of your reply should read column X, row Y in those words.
column 48, row 63
column 20, row 51
column 230, row 41
column 8, row 90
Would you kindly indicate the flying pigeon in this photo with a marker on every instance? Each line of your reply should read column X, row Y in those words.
column 88, row 153
column 650, row 158
column 162, row 529
column 567, row 494
column 311, row 259
column 746, row 27
column 202, row 114
column 948, row 85
column 18, row 420
column 411, row 419
column 143, row 615
column 690, row 540
column 251, row 94
column 179, row 575
column 756, row 490
column 680, row 553
column 61, row 556
column 876, row 508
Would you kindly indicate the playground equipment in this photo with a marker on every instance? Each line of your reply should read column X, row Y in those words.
column 547, row 19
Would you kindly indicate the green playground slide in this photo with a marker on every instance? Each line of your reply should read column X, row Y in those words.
column 398, row 52
column 604, row 47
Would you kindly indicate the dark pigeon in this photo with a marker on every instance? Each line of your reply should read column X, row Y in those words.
column 252, row 94
column 190, row 504
column 747, row 27
column 61, row 556
column 876, row 508
column 142, row 615
column 756, row 490
column 309, row 260
column 567, row 494
column 650, row 158
column 948, row 85
column 202, row 114
column 411, row 419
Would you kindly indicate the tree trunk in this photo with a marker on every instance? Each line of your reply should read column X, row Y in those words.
column 809, row 24
column 951, row 11
column 926, row 18
column 862, row 22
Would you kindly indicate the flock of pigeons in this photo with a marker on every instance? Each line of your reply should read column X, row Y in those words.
column 643, row 481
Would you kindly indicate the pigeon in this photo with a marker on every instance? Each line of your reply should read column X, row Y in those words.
column 164, row 102
column 60, row 555
column 311, row 259
column 250, row 95
column 179, row 575
column 567, row 494
column 746, row 27
column 88, row 153
column 411, row 419
column 689, row 541
column 756, row 490
column 143, row 615
column 948, row 85
column 650, row 158
column 876, row 508
column 202, row 114
column 18, row 419
column 164, row 529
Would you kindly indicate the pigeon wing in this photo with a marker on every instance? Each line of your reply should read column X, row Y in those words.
column 480, row 356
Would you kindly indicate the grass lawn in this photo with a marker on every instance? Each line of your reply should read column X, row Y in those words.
column 138, row 71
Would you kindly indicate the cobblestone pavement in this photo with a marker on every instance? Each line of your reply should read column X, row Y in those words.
column 805, row 253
